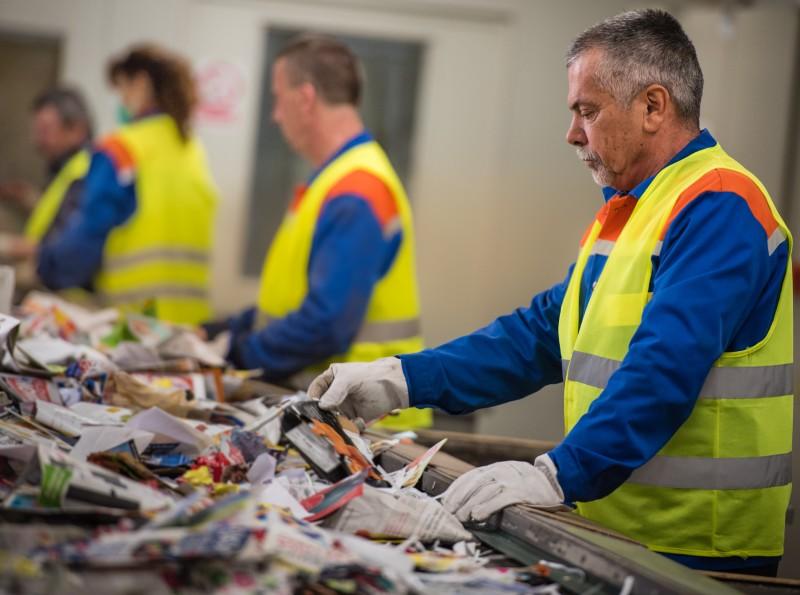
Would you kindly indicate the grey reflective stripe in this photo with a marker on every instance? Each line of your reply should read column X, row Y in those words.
column 657, row 249
column 378, row 332
column 172, row 254
column 602, row 247
column 703, row 473
column 392, row 227
column 721, row 383
column 564, row 367
column 776, row 239
column 591, row 369
column 154, row 292
column 370, row 332
column 744, row 383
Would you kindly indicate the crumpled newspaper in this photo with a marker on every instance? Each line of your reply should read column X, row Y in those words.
column 188, row 344
column 131, row 355
column 379, row 513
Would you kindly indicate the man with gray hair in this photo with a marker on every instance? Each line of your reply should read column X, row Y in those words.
column 672, row 332
column 62, row 132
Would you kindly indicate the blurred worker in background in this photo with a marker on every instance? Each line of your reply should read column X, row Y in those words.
column 62, row 133
column 672, row 332
column 339, row 281
column 142, row 235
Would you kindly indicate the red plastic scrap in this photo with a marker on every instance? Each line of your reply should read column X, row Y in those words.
column 216, row 463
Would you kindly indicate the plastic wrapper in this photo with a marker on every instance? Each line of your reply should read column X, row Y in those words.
column 124, row 390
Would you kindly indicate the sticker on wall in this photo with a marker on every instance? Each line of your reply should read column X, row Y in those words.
column 221, row 87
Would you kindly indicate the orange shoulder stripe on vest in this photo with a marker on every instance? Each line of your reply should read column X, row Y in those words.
column 370, row 188
column 618, row 210
column 726, row 180
column 120, row 156
column 612, row 216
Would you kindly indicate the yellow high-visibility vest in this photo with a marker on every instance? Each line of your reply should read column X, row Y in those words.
column 49, row 203
column 720, row 487
column 391, row 325
column 159, row 259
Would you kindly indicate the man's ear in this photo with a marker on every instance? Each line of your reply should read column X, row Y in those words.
column 308, row 95
column 656, row 100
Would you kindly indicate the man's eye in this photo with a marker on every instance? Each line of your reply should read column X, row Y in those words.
column 588, row 114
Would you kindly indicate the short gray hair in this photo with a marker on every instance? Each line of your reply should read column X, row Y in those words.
column 641, row 48
column 70, row 105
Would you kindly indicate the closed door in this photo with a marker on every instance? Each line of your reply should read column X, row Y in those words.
column 28, row 66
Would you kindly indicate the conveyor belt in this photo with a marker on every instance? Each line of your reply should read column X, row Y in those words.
column 612, row 563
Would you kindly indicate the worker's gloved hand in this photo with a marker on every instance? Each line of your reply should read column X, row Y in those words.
column 479, row 493
column 365, row 390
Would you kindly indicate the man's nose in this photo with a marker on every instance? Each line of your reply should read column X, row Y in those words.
column 575, row 134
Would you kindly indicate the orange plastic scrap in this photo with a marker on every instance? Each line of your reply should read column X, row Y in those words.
column 355, row 460
column 66, row 326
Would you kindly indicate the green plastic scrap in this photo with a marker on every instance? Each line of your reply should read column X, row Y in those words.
column 55, row 481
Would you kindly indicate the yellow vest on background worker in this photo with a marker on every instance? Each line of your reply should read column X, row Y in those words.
column 391, row 325
column 47, row 208
column 721, row 486
column 49, row 203
column 159, row 259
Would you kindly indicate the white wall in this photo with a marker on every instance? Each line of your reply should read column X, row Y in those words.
column 747, row 58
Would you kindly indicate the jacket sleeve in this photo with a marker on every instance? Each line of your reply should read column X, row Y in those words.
column 73, row 257
column 715, row 289
column 241, row 322
column 512, row 357
column 349, row 255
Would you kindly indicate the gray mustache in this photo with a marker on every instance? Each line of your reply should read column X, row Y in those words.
column 586, row 155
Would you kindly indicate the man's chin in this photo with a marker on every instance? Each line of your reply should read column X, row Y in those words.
column 599, row 179
column 599, row 173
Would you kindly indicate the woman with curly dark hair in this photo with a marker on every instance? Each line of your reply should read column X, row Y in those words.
column 143, row 235
column 149, row 79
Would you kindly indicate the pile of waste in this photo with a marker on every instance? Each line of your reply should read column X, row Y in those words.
column 132, row 460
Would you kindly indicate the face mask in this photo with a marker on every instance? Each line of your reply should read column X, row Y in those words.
column 123, row 115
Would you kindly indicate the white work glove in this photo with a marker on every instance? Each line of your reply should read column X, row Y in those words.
column 365, row 390
column 478, row 494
